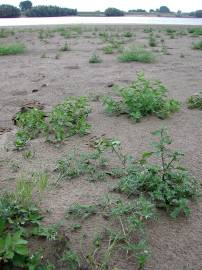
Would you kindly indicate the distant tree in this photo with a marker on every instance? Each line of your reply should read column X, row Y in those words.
column 164, row 9
column 137, row 10
column 8, row 11
column 198, row 13
column 25, row 5
column 179, row 13
column 152, row 10
column 113, row 12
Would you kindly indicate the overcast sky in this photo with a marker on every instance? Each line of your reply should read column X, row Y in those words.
column 91, row 5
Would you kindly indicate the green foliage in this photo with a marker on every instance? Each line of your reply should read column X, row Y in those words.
column 65, row 48
column 72, row 259
column 140, row 99
column 25, row 5
column 69, row 118
column 168, row 184
column 195, row 101
column 136, row 55
column 197, row 45
column 196, row 31
column 94, row 164
column 8, row 11
column 128, row 34
column 82, row 211
column 110, row 12
column 65, row 120
column 108, row 49
column 198, row 14
column 152, row 40
column 164, row 9
column 95, row 59
column 12, row 49
column 5, row 33
column 50, row 11
column 31, row 123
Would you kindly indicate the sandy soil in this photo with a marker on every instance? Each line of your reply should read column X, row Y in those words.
column 175, row 244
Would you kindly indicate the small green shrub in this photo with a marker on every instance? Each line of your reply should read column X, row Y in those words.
column 136, row 55
column 196, row 31
column 128, row 34
column 168, row 184
column 5, row 33
column 95, row 59
column 65, row 48
column 72, row 259
column 69, row 118
column 82, row 211
column 108, row 49
column 197, row 45
column 195, row 101
column 140, row 99
column 12, row 49
column 31, row 123
column 152, row 41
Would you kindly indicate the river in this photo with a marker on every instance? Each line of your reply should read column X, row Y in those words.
column 99, row 20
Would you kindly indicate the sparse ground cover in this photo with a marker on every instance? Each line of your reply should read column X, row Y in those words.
column 105, row 200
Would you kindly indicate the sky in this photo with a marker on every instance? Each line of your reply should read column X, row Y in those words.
column 92, row 5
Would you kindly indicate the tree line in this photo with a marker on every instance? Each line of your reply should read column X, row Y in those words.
column 26, row 8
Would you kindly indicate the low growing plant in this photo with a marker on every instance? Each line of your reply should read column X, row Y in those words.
column 12, row 49
column 95, row 59
column 140, row 99
column 195, row 101
column 167, row 183
column 136, row 55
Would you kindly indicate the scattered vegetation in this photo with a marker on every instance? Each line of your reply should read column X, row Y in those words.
column 65, row 120
column 168, row 184
column 137, row 55
column 140, row 99
column 65, row 48
column 195, row 101
column 152, row 40
column 12, row 49
column 95, row 59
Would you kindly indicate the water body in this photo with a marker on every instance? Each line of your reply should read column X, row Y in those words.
column 99, row 20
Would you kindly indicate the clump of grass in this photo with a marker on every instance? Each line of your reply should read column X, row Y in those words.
column 195, row 101
column 65, row 48
column 128, row 34
column 196, row 31
column 152, row 40
column 197, row 45
column 82, row 211
column 95, row 59
column 108, row 49
column 5, row 33
column 136, row 55
column 140, row 99
column 12, row 49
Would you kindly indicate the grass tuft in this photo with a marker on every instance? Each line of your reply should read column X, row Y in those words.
column 12, row 49
column 136, row 55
